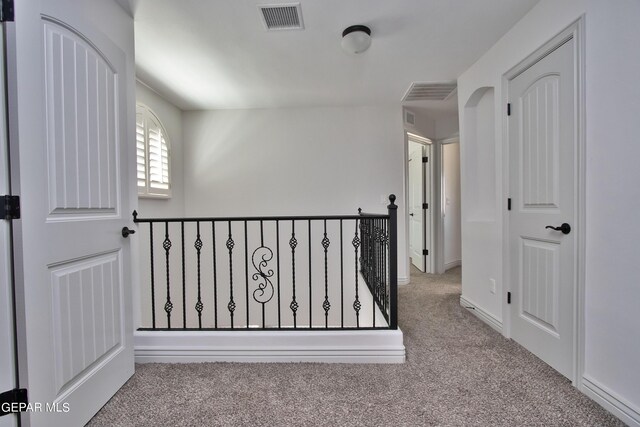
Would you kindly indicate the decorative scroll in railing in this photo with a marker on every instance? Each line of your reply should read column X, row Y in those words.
column 287, row 272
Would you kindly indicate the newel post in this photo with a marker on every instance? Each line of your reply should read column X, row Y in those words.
column 393, row 262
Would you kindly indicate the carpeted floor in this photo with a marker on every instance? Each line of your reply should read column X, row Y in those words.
column 459, row 372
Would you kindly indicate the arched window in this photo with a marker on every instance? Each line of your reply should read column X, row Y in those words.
column 152, row 152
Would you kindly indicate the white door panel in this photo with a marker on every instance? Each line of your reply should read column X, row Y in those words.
column 542, row 187
column 416, row 194
column 71, row 150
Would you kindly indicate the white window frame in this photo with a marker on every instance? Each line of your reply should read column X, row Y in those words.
column 148, row 190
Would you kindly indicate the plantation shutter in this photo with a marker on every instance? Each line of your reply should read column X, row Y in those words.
column 141, row 153
column 152, row 154
column 158, row 156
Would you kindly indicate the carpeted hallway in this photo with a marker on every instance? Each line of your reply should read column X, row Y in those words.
column 459, row 372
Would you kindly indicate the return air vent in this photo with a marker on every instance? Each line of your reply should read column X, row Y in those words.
column 429, row 91
column 281, row 16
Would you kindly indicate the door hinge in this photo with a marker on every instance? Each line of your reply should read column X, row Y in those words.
column 509, row 109
column 12, row 401
column 425, row 252
column 508, row 297
column 425, row 206
column 425, row 160
column 9, row 207
column 509, row 204
column 6, row 11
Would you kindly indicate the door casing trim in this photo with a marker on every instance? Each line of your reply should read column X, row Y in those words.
column 428, row 243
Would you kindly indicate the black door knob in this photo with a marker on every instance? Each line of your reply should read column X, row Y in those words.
column 126, row 231
column 564, row 228
column 410, row 214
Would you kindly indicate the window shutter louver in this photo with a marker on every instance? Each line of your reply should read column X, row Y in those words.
column 141, row 158
column 152, row 155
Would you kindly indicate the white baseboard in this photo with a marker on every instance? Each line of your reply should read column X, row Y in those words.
column 403, row 280
column 610, row 401
column 383, row 346
column 452, row 264
column 481, row 314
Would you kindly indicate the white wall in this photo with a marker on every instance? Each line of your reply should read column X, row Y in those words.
column 447, row 126
column 613, row 198
column 612, row 273
column 480, row 202
column 451, row 204
column 295, row 162
column 424, row 125
column 171, row 118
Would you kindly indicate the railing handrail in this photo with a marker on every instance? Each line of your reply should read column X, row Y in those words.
column 374, row 256
column 258, row 218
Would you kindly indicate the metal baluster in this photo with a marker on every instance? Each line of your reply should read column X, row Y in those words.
column 184, row 280
column 326, row 305
column 341, row 280
column 372, row 285
column 262, row 245
column 198, row 245
column 292, row 244
column 310, row 290
column 278, row 267
column 384, row 267
column 166, row 244
column 232, row 305
column 246, row 272
column 215, row 275
column 378, row 262
column 356, row 304
column 153, row 286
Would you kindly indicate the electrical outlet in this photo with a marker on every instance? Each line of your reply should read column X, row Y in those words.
column 492, row 286
column 384, row 199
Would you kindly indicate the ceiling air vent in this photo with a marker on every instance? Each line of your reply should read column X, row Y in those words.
column 430, row 91
column 281, row 16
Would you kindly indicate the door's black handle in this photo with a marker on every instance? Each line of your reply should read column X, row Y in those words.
column 410, row 214
column 126, row 231
column 565, row 228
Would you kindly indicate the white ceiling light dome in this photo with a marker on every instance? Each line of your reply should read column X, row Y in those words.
column 356, row 39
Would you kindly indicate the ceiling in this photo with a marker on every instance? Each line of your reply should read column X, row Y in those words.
column 216, row 54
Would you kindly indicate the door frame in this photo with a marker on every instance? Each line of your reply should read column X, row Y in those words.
column 427, row 197
column 8, row 336
column 454, row 139
column 576, row 32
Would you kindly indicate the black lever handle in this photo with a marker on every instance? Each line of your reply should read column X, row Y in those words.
column 410, row 214
column 565, row 228
column 126, row 231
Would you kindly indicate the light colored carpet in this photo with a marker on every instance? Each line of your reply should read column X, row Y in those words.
column 459, row 372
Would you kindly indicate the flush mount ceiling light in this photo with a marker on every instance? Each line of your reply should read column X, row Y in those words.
column 356, row 39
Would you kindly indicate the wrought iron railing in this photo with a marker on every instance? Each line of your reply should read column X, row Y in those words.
column 277, row 272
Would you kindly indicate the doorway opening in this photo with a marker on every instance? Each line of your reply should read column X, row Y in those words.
column 450, row 225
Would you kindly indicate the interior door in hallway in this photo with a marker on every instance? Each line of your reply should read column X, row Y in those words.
column 418, row 226
column 542, row 150
column 70, row 163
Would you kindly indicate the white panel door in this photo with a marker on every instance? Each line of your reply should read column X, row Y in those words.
column 70, row 148
column 542, row 147
column 416, row 192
